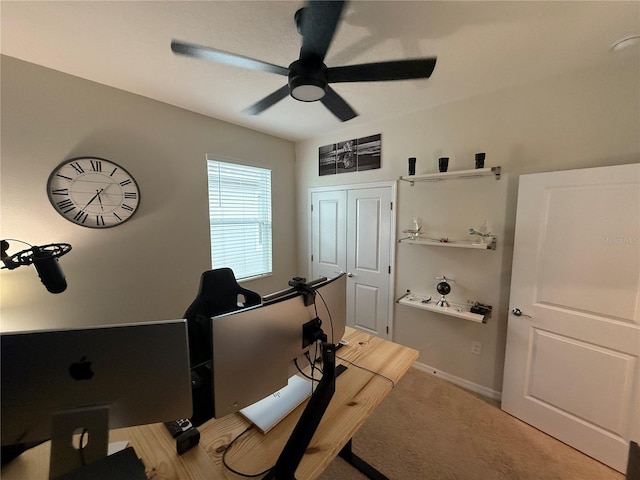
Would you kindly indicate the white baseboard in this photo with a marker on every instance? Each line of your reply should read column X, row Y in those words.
column 461, row 382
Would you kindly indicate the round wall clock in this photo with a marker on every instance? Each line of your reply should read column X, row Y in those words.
column 93, row 192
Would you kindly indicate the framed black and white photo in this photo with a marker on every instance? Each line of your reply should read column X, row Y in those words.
column 355, row 155
column 347, row 156
column 327, row 163
column 369, row 152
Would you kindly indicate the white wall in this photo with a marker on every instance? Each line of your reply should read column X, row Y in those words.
column 149, row 267
column 586, row 119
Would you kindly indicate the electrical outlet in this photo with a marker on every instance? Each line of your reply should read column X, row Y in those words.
column 476, row 348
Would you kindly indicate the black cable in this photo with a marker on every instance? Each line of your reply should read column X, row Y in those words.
column 312, row 363
column 224, row 458
column 81, row 449
column 16, row 240
column 393, row 384
column 333, row 339
column 313, row 366
column 295, row 361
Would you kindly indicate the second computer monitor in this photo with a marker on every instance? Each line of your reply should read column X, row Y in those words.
column 254, row 349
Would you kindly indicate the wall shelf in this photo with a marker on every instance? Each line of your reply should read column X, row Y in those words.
column 460, row 174
column 454, row 310
column 434, row 242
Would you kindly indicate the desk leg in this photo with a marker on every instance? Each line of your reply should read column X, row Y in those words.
column 347, row 454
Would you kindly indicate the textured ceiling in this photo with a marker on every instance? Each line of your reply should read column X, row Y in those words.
column 481, row 47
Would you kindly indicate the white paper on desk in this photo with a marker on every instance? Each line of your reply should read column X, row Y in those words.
column 115, row 447
column 266, row 413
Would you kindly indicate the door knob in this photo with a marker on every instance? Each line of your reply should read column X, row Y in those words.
column 349, row 274
column 518, row 313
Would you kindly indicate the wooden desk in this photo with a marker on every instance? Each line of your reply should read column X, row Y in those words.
column 358, row 393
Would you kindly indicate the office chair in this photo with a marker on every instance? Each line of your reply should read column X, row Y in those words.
column 633, row 462
column 219, row 293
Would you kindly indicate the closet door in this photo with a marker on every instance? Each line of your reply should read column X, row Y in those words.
column 352, row 231
column 328, row 233
column 369, row 240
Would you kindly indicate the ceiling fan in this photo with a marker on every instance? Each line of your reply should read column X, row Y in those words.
column 309, row 77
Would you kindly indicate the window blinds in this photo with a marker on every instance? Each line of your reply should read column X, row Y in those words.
column 240, row 218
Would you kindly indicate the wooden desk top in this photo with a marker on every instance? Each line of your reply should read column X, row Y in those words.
column 358, row 393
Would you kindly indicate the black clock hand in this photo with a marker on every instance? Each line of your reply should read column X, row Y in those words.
column 100, row 199
column 93, row 198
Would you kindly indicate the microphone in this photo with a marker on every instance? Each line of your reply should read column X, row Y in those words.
column 44, row 259
column 49, row 270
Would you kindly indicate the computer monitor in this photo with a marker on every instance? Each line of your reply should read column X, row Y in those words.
column 59, row 382
column 254, row 349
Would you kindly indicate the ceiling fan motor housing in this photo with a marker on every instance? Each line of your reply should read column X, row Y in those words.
column 307, row 80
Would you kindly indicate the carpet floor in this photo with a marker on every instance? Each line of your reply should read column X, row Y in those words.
column 428, row 428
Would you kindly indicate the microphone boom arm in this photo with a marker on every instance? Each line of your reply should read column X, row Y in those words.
column 45, row 260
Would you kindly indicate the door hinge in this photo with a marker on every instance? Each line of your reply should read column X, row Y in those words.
column 312, row 257
column 391, row 206
column 387, row 329
column 312, row 207
column 389, row 269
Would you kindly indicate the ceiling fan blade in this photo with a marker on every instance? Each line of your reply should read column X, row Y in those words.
column 267, row 101
column 220, row 56
column 337, row 105
column 383, row 71
column 319, row 22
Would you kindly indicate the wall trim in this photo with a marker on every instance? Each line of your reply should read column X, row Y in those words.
column 461, row 382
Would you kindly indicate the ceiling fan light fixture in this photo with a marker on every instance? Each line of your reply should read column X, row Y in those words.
column 307, row 89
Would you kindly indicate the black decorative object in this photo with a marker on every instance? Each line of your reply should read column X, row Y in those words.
column 443, row 289
column 412, row 165
column 443, row 164
column 480, row 160
column 481, row 309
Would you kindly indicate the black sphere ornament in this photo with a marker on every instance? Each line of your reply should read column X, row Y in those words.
column 443, row 288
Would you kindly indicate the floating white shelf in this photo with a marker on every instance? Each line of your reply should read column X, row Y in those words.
column 436, row 177
column 454, row 310
column 450, row 243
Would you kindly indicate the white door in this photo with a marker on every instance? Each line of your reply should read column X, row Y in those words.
column 328, row 233
column 351, row 231
column 572, row 357
column 369, row 260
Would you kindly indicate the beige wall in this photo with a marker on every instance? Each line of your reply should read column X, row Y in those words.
column 147, row 268
column 587, row 119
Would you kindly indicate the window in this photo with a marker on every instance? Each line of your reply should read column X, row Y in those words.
column 240, row 218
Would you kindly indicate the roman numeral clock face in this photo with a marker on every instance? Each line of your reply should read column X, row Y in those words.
column 93, row 192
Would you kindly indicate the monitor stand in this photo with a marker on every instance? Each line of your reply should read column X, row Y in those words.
column 65, row 456
column 285, row 467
